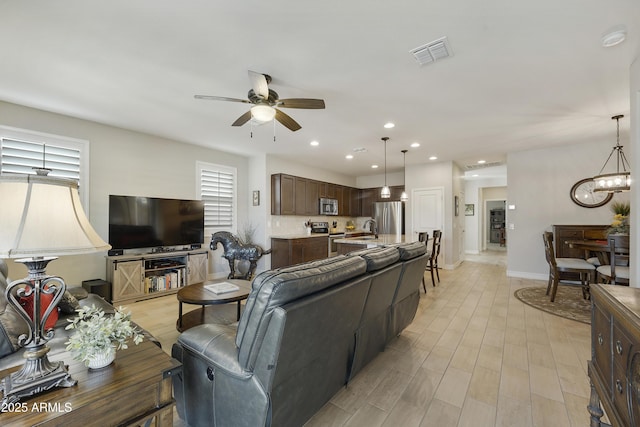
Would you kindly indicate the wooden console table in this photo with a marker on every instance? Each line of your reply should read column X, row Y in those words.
column 614, row 369
column 136, row 387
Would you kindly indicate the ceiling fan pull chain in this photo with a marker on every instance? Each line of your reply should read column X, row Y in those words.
column 274, row 131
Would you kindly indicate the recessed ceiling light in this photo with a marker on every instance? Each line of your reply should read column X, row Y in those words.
column 433, row 158
column 482, row 162
column 349, row 156
column 474, row 175
column 314, row 143
column 415, row 145
column 374, row 166
column 614, row 36
column 389, row 125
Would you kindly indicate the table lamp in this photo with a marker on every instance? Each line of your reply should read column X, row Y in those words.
column 41, row 219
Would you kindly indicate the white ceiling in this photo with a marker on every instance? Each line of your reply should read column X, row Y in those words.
column 523, row 75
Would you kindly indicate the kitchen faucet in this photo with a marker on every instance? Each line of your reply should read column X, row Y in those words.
column 373, row 228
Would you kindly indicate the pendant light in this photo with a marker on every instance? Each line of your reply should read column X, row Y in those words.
column 619, row 180
column 386, row 192
column 404, row 197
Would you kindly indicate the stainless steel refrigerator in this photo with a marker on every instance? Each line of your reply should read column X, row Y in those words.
column 389, row 217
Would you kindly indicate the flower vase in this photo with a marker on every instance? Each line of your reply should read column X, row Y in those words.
column 103, row 358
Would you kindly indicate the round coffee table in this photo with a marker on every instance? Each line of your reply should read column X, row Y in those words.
column 197, row 294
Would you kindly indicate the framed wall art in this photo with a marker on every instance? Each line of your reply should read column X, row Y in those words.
column 469, row 209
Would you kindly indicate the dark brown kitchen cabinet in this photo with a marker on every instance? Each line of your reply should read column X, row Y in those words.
column 306, row 197
column 312, row 197
column 332, row 190
column 292, row 195
column 285, row 251
column 354, row 202
column 396, row 192
column 367, row 198
column 283, row 191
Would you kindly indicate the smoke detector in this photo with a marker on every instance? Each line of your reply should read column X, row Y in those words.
column 614, row 36
column 433, row 51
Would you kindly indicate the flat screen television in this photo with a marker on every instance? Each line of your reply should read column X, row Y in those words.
column 149, row 222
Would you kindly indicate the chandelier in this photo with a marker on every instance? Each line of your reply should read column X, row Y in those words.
column 620, row 180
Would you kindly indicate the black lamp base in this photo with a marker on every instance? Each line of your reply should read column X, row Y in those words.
column 37, row 375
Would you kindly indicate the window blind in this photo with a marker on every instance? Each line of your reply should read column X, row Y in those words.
column 21, row 157
column 217, row 190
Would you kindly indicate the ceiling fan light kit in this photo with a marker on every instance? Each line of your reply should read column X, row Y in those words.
column 263, row 113
column 620, row 180
column 265, row 101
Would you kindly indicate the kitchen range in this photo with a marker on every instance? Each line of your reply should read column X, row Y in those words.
column 323, row 227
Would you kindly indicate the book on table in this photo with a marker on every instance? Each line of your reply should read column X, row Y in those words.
column 222, row 287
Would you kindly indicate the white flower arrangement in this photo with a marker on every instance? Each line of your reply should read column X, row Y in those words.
column 96, row 332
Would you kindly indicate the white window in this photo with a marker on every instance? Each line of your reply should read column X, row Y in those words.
column 21, row 150
column 217, row 189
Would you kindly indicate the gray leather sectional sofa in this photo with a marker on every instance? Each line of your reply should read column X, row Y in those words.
column 306, row 331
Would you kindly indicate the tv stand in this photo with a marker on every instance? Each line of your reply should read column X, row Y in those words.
column 136, row 277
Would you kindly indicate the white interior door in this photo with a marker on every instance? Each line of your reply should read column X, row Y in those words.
column 428, row 212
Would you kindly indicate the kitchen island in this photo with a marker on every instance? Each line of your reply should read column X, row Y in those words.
column 350, row 244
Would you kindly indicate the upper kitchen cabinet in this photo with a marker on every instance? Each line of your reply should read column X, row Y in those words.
column 396, row 192
column 292, row 195
column 283, row 191
column 354, row 201
column 307, row 197
column 368, row 197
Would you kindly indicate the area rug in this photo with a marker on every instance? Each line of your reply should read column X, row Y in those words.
column 568, row 304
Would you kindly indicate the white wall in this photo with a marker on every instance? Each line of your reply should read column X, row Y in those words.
column 123, row 162
column 539, row 184
column 430, row 176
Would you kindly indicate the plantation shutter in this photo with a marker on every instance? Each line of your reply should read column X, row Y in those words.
column 21, row 150
column 22, row 156
column 217, row 190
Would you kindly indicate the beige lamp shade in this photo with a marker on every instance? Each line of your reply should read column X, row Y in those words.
column 43, row 216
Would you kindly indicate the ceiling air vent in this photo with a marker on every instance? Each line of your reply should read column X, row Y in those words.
column 433, row 51
column 482, row 166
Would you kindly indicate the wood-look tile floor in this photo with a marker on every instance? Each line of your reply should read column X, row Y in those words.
column 473, row 356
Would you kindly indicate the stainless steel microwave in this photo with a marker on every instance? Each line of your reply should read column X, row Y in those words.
column 328, row 206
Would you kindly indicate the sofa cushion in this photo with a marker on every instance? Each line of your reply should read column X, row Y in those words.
column 273, row 289
column 266, row 275
column 378, row 258
column 411, row 250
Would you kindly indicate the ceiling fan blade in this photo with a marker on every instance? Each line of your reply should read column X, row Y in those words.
column 287, row 121
column 301, row 103
column 220, row 98
column 242, row 119
column 259, row 84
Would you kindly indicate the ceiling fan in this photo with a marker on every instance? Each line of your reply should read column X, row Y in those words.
column 265, row 101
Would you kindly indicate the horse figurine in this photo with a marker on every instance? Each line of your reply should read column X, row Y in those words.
column 234, row 250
